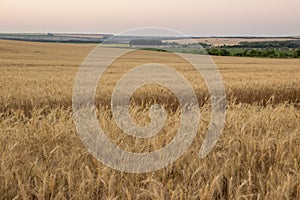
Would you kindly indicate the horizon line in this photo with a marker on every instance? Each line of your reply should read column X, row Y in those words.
column 192, row 36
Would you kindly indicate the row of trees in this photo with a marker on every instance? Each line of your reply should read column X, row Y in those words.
column 272, row 49
column 218, row 52
column 290, row 44
column 271, row 53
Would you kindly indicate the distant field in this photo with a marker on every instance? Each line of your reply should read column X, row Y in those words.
column 257, row 156
column 79, row 35
column 48, row 37
column 97, row 38
column 215, row 41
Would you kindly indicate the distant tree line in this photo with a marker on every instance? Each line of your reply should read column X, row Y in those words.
column 290, row 44
column 218, row 52
column 271, row 53
column 271, row 49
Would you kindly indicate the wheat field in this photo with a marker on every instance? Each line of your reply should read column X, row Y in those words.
column 42, row 157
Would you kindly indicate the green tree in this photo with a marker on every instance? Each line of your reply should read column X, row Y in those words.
column 245, row 53
column 298, row 52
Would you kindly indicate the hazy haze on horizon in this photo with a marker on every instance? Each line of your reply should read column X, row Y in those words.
column 192, row 17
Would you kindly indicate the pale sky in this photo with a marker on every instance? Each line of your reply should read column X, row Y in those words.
column 192, row 17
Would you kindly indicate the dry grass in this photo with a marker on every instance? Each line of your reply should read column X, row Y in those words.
column 42, row 157
column 37, row 74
